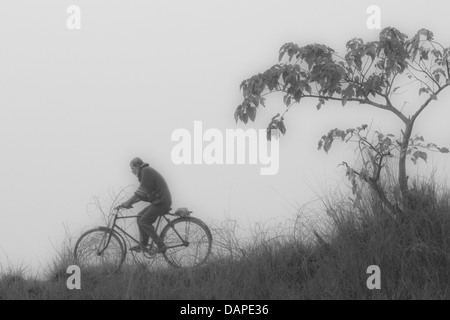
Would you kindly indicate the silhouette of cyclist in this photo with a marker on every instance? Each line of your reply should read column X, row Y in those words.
column 153, row 188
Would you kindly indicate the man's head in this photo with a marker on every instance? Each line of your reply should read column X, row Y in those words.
column 135, row 165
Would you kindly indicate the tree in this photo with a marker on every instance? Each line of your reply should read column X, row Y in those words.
column 371, row 74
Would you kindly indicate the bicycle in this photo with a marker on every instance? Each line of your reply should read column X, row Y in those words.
column 188, row 242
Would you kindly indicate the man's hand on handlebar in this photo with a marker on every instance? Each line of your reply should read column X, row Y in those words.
column 123, row 206
column 129, row 203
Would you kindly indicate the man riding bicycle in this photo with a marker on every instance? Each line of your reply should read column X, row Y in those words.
column 153, row 189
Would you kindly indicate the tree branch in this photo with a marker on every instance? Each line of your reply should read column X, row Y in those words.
column 421, row 81
column 365, row 101
column 424, row 105
column 436, row 43
column 391, row 83
column 428, row 73
column 370, row 66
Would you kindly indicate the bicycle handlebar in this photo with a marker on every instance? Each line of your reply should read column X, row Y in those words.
column 119, row 208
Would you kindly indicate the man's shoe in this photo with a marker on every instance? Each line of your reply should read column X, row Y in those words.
column 156, row 250
column 163, row 249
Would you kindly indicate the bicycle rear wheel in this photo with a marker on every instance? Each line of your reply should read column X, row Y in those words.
column 99, row 250
column 188, row 242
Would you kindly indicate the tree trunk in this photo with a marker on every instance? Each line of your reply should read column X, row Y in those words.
column 402, row 178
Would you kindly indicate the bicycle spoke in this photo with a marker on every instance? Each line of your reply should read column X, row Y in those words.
column 99, row 250
column 196, row 239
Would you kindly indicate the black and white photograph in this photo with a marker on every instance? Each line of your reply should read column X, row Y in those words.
column 224, row 155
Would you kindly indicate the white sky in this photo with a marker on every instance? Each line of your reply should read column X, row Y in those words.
column 78, row 105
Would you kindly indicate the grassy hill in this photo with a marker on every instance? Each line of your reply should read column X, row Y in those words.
column 412, row 252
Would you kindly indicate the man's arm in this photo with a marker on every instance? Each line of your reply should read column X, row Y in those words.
column 127, row 204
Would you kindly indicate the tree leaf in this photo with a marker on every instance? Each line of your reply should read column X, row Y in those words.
column 421, row 155
column 444, row 150
column 327, row 145
column 427, row 33
column 236, row 113
column 281, row 127
column 423, row 90
column 262, row 101
column 245, row 117
column 424, row 156
column 251, row 113
column 320, row 144
column 298, row 95
column 288, row 101
column 437, row 77
column 308, row 88
column 282, row 52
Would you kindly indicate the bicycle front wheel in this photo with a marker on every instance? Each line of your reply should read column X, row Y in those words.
column 100, row 250
column 188, row 242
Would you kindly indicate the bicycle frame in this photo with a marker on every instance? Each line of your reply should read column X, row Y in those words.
column 187, row 240
column 113, row 225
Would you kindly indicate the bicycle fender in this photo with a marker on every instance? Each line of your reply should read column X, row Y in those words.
column 193, row 219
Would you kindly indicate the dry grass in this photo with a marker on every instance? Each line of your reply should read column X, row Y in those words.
column 413, row 254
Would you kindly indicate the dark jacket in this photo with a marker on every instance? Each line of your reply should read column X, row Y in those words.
column 153, row 187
